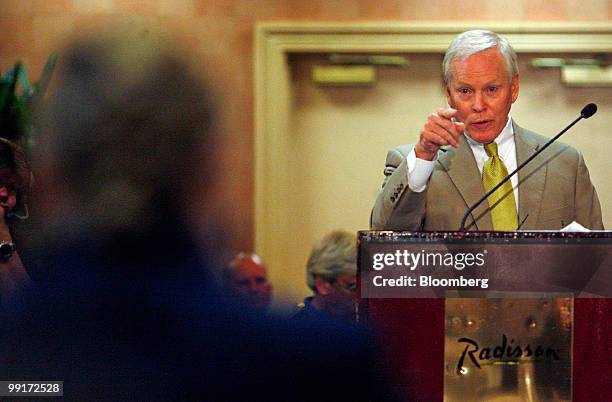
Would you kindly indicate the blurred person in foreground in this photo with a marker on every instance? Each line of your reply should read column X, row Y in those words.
column 128, row 309
column 245, row 280
column 331, row 273
column 15, row 178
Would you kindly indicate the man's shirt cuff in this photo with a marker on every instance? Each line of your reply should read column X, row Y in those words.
column 419, row 171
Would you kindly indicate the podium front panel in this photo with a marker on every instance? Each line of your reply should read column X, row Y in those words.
column 528, row 345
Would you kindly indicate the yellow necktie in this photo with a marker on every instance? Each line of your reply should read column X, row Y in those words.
column 503, row 206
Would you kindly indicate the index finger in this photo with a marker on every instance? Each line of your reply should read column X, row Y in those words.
column 447, row 113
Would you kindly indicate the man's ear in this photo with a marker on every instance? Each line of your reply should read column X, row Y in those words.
column 323, row 287
column 514, row 87
column 447, row 92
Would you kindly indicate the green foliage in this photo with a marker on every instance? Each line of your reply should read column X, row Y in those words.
column 18, row 100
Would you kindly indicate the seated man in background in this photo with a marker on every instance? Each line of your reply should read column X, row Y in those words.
column 15, row 177
column 331, row 275
column 245, row 280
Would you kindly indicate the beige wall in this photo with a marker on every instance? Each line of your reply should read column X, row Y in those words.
column 222, row 31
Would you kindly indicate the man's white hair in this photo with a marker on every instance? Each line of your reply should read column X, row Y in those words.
column 469, row 42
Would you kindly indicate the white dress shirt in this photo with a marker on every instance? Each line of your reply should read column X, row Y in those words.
column 419, row 170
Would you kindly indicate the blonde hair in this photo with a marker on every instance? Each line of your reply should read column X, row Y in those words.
column 334, row 254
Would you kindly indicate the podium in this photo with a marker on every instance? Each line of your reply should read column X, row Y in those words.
column 539, row 329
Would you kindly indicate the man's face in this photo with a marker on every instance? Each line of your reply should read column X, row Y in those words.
column 482, row 93
column 250, row 282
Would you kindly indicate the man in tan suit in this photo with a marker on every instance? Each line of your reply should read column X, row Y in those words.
column 430, row 185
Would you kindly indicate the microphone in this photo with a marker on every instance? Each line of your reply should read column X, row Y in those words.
column 586, row 112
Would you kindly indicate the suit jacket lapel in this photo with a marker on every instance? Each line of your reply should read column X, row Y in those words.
column 461, row 166
column 531, row 179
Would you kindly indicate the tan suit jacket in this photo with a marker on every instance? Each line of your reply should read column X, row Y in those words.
column 554, row 190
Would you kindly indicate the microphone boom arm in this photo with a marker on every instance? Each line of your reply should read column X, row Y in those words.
column 473, row 207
